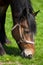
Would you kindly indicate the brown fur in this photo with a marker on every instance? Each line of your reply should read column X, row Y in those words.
column 26, row 36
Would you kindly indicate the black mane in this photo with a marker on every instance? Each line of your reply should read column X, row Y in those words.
column 20, row 5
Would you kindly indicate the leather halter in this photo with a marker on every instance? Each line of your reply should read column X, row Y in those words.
column 21, row 38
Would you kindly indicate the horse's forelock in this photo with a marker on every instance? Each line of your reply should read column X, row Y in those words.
column 32, row 23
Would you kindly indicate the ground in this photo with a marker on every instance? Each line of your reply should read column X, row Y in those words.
column 12, row 56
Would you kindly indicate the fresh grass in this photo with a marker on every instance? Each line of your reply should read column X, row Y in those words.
column 12, row 56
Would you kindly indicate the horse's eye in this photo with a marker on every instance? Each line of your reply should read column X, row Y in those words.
column 26, row 31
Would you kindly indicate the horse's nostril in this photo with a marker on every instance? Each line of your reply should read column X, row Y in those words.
column 30, row 56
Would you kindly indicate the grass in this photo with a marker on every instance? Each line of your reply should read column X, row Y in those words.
column 12, row 56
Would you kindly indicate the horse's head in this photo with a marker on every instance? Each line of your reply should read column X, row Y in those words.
column 23, row 32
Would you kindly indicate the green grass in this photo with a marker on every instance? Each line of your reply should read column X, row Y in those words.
column 12, row 51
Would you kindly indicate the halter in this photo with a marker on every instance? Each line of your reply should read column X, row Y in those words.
column 21, row 36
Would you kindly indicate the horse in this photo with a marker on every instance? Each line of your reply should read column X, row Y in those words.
column 24, row 25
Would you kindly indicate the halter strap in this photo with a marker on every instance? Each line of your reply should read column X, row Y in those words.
column 15, row 26
column 22, row 40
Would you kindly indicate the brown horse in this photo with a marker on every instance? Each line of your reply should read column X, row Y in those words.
column 23, row 22
column 24, row 36
column 24, row 28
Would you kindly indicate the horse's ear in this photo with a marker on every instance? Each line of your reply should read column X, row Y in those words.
column 35, row 13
